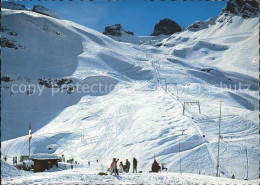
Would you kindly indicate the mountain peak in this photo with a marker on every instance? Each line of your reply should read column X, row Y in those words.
column 246, row 9
column 166, row 27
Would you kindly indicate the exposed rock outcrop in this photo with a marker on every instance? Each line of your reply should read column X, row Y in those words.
column 45, row 11
column 245, row 9
column 6, row 43
column 116, row 30
column 166, row 27
column 12, row 6
column 198, row 25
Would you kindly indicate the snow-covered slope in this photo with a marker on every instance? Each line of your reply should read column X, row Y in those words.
column 70, row 49
column 146, row 40
column 139, row 117
column 235, row 32
column 63, row 50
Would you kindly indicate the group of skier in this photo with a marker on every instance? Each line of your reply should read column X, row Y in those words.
column 125, row 167
column 122, row 167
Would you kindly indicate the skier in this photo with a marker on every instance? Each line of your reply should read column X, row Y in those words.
column 116, row 166
column 134, row 165
column 155, row 166
column 121, row 168
column 113, row 167
column 127, row 166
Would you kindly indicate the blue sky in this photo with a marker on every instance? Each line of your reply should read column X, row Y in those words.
column 138, row 16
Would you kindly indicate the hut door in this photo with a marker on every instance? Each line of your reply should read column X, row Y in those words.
column 49, row 165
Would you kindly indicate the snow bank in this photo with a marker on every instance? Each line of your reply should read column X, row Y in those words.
column 8, row 171
column 83, row 176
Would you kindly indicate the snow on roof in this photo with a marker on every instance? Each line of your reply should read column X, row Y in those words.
column 43, row 156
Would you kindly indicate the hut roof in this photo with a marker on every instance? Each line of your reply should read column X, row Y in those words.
column 43, row 156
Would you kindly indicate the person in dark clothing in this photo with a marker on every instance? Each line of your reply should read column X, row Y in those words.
column 127, row 166
column 134, row 165
column 155, row 167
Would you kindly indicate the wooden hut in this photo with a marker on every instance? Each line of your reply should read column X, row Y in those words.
column 44, row 161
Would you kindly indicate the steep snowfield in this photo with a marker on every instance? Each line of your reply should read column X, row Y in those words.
column 65, row 42
column 63, row 49
column 140, row 117
column 236, row 37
